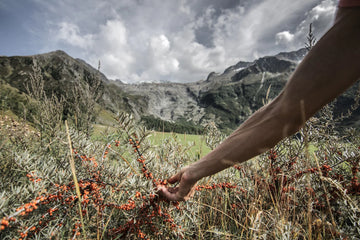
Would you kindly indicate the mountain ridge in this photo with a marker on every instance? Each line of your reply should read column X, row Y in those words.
column 226, row 98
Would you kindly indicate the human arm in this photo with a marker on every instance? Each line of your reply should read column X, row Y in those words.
column 327, row 70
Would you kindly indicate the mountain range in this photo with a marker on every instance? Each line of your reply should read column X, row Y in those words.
column 226, row 98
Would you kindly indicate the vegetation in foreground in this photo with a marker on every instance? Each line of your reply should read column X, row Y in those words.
column 65, row 186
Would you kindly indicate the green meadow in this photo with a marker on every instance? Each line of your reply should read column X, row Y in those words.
column 196, row 143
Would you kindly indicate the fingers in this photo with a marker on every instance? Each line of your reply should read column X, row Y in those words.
column 175, row 178
column 183, row 191
column 180, row 193
column 171, row 193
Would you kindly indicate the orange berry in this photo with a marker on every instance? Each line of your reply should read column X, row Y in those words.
column 5, row 222
column 138, row 195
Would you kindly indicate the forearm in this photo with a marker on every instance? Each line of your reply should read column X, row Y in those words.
column 259, row 133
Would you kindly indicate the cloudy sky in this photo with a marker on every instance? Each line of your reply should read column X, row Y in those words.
column 160, row 40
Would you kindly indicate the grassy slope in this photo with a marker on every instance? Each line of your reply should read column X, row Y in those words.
column 197, row 141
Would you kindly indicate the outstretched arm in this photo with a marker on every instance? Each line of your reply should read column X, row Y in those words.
column 328, row 69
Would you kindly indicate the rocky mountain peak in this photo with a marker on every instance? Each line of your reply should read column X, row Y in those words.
column 226, row 98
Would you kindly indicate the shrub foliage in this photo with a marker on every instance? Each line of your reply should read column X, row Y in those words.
column 51, row 188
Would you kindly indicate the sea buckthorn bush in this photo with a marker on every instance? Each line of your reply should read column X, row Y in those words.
column 66, row 185
column 117, row 196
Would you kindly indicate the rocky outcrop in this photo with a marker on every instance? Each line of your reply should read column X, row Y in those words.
column 226, row 98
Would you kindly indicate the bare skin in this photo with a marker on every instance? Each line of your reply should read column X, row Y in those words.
column 328, row 70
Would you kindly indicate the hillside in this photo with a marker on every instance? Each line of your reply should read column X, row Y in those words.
column 226, row 98
column 66, row 77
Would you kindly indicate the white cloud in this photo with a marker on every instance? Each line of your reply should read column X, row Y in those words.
column 248, row 33
column 163, row 61
column 70, row 33
column 113, row 34
column 284, row 37
column 324, row 9
column 182, row 40
column 160, row 45
column 111, row 47
column 320, row 16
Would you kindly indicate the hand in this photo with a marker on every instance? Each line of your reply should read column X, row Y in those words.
column 183, row 191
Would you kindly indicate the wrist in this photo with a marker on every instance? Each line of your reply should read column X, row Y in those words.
column 212, row 163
